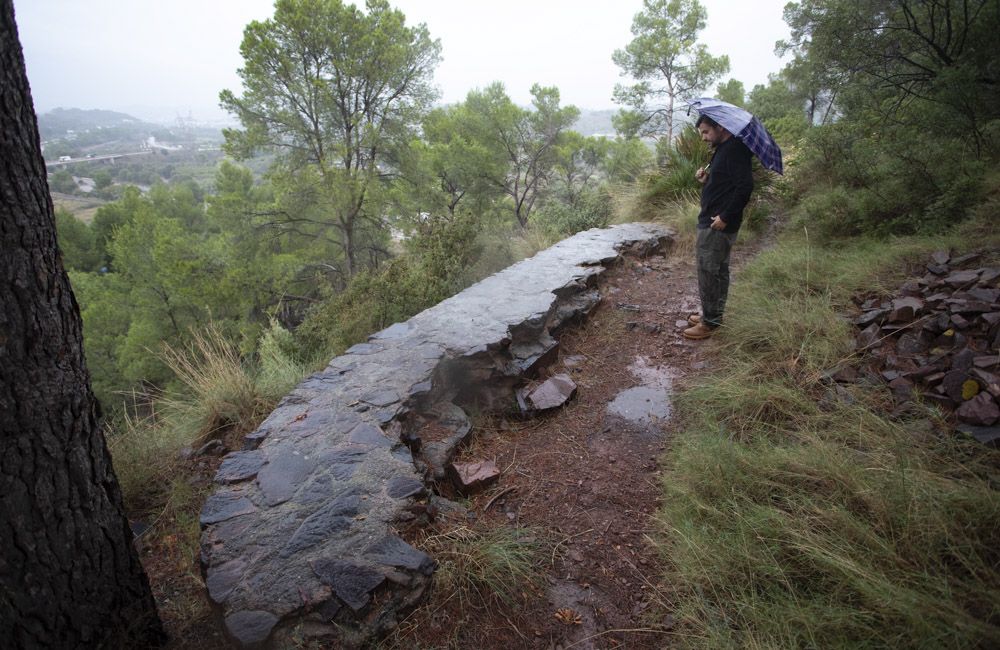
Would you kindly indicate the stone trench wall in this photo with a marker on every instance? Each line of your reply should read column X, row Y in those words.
column 299, row 533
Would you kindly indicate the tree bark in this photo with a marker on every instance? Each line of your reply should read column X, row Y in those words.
column 69, row 574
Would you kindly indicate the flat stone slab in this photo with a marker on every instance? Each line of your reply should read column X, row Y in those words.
column 552, row 393
column 473, row 477
column 300, row 532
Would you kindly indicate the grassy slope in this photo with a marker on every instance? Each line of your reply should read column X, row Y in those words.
column 793, row 519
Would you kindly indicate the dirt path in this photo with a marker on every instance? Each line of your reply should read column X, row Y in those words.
column 583, row 479
column 586, row 476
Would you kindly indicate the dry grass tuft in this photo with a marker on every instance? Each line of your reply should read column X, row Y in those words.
column 797, row 517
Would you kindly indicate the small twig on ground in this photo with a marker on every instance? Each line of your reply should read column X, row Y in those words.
column 497, row 496
column 514, row 627
column 564, row 540
column 512, row 461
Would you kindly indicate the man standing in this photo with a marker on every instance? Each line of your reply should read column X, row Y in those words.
column 728, row 183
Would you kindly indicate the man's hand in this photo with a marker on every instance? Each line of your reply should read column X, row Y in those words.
column 701, row 175
column 718, row 223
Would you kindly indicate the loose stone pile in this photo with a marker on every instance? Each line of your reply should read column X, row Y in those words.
column 301, row 532
column 939, row 339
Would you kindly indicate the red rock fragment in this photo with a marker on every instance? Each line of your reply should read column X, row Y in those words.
column 469, row 478
column 962, row 278
column 553, row 392
column 905, row 309
column 940, row 257
column 902, row 389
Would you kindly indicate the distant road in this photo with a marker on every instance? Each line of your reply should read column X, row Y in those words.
column 111, row 156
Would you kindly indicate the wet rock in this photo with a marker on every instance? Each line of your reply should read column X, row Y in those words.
column 983, row 294
column 393, row 551
column 956, row 383
column 383, row 397
column 902, row 389
column 353, row 583
column 370, row 435
column 986, row 435
column 989, row 276
column 909, row 344
column 905, row 309
column 223, row 578
column 989, row 382
column 333, row 517
column 239, row 466
column 869, row 336
column 225, row 505
column 251, row 628
column 400, row 487
column 281, row 476
column 963, row 360
column 868, row 317
column 470, row 478
column 965, row 259
column 552, row 393
column 962, row 279
column 532, row 356
column 981, row 410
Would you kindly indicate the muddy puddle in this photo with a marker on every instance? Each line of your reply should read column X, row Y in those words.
column 650, row 401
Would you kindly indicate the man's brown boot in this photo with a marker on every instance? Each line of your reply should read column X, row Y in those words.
column 694, row 319
column 699, row 331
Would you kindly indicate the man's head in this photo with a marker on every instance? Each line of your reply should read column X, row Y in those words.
column 710, row 131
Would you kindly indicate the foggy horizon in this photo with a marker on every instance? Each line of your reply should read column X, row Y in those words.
column 158, row 63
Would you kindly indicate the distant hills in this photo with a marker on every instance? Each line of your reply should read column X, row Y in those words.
column 57, row 122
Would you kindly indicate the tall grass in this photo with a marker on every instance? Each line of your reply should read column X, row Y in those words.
column 796, row 518
column 220, row 395
column 482, row 568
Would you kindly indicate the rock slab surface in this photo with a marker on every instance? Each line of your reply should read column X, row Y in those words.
column 301, row 529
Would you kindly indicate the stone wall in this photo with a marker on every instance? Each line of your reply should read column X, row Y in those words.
column 300, row 532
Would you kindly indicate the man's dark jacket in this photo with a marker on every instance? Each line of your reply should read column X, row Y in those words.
column 728, row 187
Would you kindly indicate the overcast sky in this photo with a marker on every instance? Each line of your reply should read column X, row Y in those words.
column 162, row 58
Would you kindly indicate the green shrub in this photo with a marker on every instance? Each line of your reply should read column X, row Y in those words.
column 560, row 220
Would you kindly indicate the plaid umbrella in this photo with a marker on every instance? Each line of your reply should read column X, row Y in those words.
column 744, row 126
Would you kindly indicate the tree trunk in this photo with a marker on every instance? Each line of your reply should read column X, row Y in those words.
column 69, row 575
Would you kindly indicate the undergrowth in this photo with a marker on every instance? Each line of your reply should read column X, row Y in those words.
column 795, row 516
column 220, row 395
column 481, row 569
